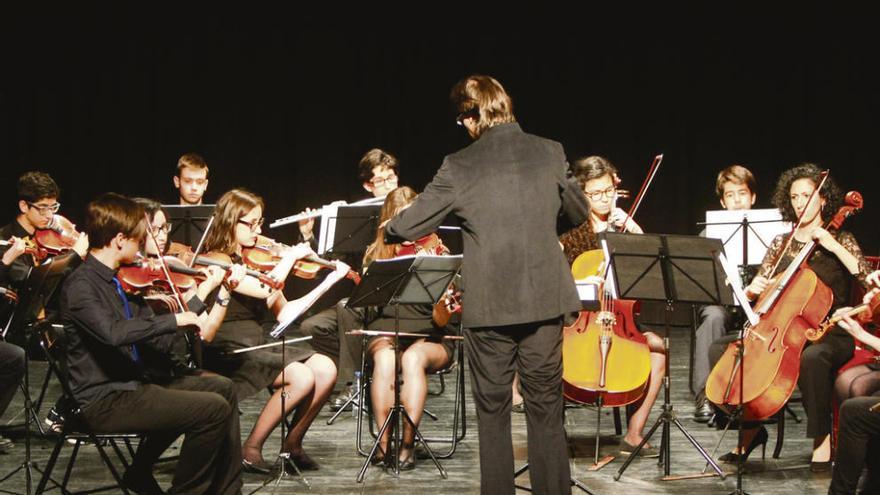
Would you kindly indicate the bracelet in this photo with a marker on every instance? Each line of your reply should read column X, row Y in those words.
column 223, row 301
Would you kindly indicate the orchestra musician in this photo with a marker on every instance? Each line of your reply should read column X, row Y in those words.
column 105, row 328
column 191, row 180
column 597, row 178
column 516, row 287
column 307, row 377
column 378, row 171
column 418, row 357
column 12, row 359
column 735, row 187
column 836, row 261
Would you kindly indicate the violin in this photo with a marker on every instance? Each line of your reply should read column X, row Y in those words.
column 58, row 236
column 431, row 244
column 791, row 309
column 30, row 248
column 185, row 254
column 264, row 256
column 146, row 276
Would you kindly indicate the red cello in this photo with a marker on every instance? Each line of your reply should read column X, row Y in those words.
column 792, row 307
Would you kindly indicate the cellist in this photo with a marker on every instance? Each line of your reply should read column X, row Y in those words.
column 598, row 179
column 836, row 260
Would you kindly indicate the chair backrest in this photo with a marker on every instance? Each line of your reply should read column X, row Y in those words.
column 53, row 340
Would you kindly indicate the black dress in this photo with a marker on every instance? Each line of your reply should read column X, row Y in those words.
column 244, row 326
column 413, row 319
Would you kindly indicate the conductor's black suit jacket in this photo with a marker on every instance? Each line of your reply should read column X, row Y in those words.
column 509, row 190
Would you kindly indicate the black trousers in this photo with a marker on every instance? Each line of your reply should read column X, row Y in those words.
column 203, row 408
column 858, row 443
column 819, row 365
column 11, row 372
column 533, row 350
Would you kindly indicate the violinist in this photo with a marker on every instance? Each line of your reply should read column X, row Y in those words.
column 598, row 180
column 378, row 173
column 38, row 202
column 735, row 188
column 836, row 261
column 105, row 329
column 857, row 390
column 191, row 180
column 418, row 357
column 307, row 376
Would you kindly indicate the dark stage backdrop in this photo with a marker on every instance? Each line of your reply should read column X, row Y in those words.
column 284, row 103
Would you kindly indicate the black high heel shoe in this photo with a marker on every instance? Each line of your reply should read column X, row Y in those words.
column 760, row 438
column 409, row 463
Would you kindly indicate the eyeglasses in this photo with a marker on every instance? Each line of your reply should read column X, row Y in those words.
column 253, row 225
column 163, row 229
column 45, row 208
column 595, row 195
column 381, row 181
column 473, row 113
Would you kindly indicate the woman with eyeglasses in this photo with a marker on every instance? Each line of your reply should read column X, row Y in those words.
column 306, row 378
column 598, row 179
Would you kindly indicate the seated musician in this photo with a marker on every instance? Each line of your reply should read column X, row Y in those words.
column 105, row 328
column 378, row 172
column 598, row 179
column 858, row 435
column 836, row 261
column 38, row 197
column 735, row 187
column 418, row 356
column 12, row 361
column 306, row 377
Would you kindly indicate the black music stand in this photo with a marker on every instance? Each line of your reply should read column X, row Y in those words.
column 188, row 222
column 410, row 280
column 350, row 230
column 38, row 288
column 670, row 268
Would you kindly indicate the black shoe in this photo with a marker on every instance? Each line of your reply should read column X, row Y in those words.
column 409, row 463
column 759, row 439
column 54, row 419
column 141, row 483
column 304, row 462
column 820, row 467
column 703, row 411
column 258, row 467
column 519, row 408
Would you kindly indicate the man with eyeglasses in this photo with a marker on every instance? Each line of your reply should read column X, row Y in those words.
column 191, row 180
column 38, row 196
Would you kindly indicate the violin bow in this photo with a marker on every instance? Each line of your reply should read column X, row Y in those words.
column 201, row 243
column 824, row 174
column 164, row 266
column 652, row 172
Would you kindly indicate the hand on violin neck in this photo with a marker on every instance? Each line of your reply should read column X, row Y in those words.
column 81, row 246
column 214, row 276
column 17, row 247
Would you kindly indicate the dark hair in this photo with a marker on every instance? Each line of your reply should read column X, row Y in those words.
column 592, row 167
column 112, row 214
column 151, row 206
column 830, row 192
column 483, row 94
column 375, row 158
column 34, row 186
column 736, row 174
column 192, row 160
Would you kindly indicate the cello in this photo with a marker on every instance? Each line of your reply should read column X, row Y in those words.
column 791, row 308
column 605, row 358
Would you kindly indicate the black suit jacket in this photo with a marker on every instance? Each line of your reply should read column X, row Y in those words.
column 510, row 191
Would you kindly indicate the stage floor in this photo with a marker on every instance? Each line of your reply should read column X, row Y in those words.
column 334, row 448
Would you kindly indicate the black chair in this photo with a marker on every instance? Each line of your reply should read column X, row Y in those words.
column 76, row 429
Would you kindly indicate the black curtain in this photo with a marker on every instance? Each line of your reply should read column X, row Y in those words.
column 107, row 97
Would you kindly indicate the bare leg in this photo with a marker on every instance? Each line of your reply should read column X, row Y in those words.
column 517, row 397
column 419, row 358
column 324, row 372
column 299, row 382
column 658, row 370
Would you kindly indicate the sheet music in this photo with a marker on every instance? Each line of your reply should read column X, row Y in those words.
column 739, row 294
column 764, row 225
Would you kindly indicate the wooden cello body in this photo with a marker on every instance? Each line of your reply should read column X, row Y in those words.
column 772, row 350
column 605, row 359
column 791, row 308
